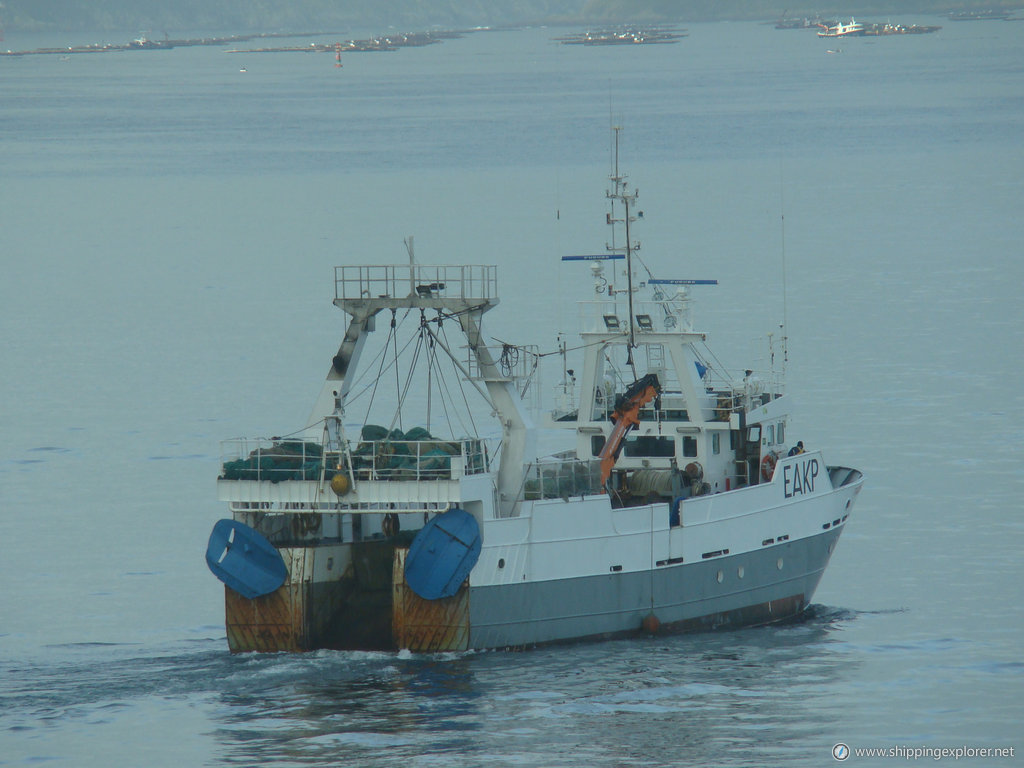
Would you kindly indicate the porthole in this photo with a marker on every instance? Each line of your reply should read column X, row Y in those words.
column 778, row 563
column 501, row 562
column 740, row 572
column 720, row 577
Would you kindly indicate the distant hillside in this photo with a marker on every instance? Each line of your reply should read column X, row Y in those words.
column 237, row 16
column 276, row 15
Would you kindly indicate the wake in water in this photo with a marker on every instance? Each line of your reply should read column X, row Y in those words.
column 78, row 677
column 380, row 708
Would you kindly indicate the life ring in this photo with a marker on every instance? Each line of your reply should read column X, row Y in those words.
column 768, row 466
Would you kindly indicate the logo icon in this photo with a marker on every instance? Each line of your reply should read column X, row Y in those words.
column 840, row 751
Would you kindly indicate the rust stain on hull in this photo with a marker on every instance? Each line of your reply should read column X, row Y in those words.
column 427, row 625
column 372, row 609
column 269, row 623
column 349, row 612
column 275, row 622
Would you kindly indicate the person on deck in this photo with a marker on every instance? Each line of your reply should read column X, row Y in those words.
column 797, row 449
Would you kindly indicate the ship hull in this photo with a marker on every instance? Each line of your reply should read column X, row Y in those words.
column 372, row 612
column 684, row 597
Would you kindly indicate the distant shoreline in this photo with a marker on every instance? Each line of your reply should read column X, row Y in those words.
column 382, row 43
column 106, row 17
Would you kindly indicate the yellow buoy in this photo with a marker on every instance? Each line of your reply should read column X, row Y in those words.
column 340, row 484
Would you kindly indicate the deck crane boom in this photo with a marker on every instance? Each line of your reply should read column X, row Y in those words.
column 626, row 416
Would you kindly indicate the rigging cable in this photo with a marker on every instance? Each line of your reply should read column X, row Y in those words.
column 408, row 380
column 443, row 391
column 444, row 395
column 462, row 390
column 397, row 378
column 430, row 365
column 380, row 370
column 373, row 385
column 465, row 374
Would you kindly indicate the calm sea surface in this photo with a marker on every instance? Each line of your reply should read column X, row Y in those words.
column 168, row 228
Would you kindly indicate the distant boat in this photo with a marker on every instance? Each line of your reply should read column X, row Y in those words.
column 897, row 29
column 144, row 42
column 624, row 36
column 801, row 23
column 989, row 14
column 839, row 29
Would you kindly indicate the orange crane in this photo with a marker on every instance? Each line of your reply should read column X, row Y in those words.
column 625, row 417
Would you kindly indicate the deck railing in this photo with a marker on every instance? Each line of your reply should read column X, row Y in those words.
column 264, row 459
column 562, row 479
column 462, row 281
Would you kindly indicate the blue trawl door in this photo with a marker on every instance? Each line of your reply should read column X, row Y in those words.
column 244, row 560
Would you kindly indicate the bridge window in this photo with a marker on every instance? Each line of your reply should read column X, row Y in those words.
column 781, row 434
column 689, row 447
column 716, row 443
column 650, row 445
column 771, row 434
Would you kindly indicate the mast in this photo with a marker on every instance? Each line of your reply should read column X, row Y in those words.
column 670, row 337
column 785, row 315
column 628, row 200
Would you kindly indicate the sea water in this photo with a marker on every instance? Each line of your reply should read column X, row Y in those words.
column 169, row 221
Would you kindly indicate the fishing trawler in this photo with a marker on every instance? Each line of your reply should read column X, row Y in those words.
column 679, row 502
